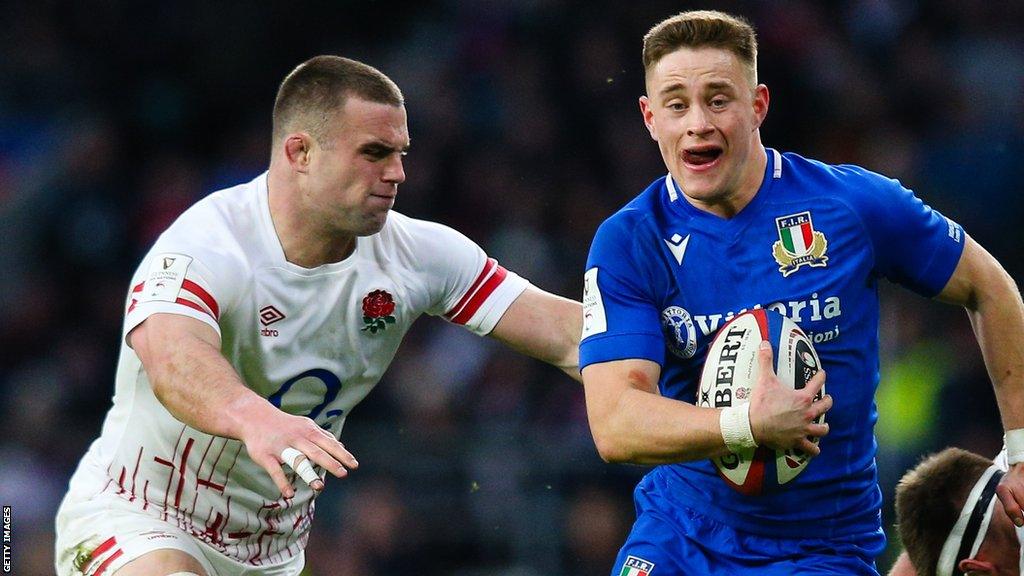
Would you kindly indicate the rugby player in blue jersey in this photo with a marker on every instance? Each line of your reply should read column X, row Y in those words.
column 734, row 226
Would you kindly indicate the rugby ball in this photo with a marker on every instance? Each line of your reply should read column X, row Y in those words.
column 728, row 379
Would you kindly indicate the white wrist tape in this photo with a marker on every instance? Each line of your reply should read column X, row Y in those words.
column 1015, row 446
column 735, row 423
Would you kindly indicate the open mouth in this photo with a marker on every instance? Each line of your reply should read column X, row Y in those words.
column 700, row 157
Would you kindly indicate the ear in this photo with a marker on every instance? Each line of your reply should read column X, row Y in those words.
column 648, row 114
column 975, row 565
column 297, row 151
column 760, row 104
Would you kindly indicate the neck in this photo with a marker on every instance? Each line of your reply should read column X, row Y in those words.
column 750, row 181
column 306, row 239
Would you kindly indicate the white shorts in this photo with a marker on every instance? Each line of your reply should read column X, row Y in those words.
column 96, row 537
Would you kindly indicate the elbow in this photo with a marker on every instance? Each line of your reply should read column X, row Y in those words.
column 570, row 364
column 610, row 447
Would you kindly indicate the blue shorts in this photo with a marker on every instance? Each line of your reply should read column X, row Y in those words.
column 669, row 540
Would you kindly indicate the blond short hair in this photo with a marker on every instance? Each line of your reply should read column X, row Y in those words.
column 701, row 29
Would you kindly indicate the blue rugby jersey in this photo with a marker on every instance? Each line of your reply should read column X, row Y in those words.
column 663, row 276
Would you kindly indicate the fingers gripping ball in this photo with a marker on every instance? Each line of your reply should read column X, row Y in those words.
column 730, row 374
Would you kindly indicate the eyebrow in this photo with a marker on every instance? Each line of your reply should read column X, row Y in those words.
column 381, row 146
column 678, row 86
column 713, row 86
column 720, row 85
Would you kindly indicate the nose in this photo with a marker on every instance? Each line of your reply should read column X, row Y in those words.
column 394, row 172
column 698, row 122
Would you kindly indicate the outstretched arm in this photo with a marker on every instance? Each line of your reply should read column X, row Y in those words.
column 544, row 326
column 199, row 387
column 993, row 302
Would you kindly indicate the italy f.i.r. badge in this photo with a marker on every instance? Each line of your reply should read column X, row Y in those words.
column 799, row 243
column 634, row 566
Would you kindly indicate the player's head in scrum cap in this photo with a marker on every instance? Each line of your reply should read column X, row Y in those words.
column 704, row 106
column 951, row 521
column 339, row 134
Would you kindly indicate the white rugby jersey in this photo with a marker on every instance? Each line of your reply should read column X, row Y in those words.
column 312, row 341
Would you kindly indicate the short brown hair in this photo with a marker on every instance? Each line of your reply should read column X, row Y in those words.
column 699, row 29
column 318, row 87
column 929, row 499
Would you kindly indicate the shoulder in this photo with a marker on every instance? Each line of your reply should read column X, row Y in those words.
column 621, row 233
column 404, row 234
column 215, row 229
column 842, row 181
column 401, row 226
column 423, row 247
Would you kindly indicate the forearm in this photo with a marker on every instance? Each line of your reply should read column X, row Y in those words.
column 199, row 387
column 632, row 422
column 546, row 327
column 558, row 343
column 192, row 379
column 997, row 317
column 993, row 303
column 645, row 428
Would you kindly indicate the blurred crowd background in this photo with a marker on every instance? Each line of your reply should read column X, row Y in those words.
column 115, row 116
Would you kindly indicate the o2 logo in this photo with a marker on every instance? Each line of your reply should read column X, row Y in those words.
column 332, row 385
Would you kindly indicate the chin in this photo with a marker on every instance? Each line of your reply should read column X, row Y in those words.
column 702, row 192
column 374, row 226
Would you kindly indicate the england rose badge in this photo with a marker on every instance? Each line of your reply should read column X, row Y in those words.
column 378, row 307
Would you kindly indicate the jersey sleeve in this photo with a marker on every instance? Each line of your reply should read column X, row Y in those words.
column 470, row 289
column 178, row 277
column 620, row 317
column 913, row 244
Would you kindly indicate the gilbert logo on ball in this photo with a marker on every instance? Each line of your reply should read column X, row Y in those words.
column 729, row 377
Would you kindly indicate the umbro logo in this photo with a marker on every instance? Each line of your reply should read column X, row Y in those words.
column 269, row 315
column 677, row 245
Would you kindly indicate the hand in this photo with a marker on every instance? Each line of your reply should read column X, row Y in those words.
column 1011, row 493
column 783, row 418
column 267, row 435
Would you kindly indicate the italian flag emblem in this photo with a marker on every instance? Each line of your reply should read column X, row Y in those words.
column 799, row 243
column 634, row 566
column 797, row 236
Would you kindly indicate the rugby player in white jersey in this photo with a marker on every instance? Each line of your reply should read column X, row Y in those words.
column 952, row 518
column 255, row 324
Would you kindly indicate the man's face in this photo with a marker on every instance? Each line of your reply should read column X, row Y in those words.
column 1000, row 551
column 704, row 113
column 355, row 172
column 1000, row 547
